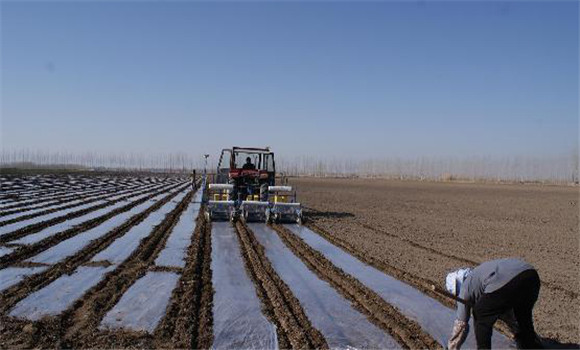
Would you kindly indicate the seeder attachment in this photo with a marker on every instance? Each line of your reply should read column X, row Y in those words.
column 283, row 205
column 254, row 210
column 219, row 205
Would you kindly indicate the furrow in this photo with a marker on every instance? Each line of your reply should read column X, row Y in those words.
column 570, row 293
column 87, row 313
column 28, row 198
column 268, row 307
column 333, row 315
column 28, row 251
column 33, row 228
column 237, row 311
column 289, row 315
column 407, row 332
column 413, row 291
column 17, row 292
column 54, row 203
column 73, row 320
column 38, row 202
column 71, row 205
column 188, row 318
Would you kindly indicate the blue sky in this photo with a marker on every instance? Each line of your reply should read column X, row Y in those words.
column 361, row 79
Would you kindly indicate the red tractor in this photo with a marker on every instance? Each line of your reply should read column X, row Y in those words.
column 245, row 187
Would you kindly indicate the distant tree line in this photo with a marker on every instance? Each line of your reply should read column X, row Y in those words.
column 171, row 162
column 553, row 169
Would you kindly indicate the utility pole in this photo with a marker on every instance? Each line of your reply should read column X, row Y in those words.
column 206, row 156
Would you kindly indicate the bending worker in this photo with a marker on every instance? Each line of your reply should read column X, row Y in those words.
column 505, row 289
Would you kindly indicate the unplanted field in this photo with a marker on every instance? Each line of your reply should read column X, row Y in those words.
column 418, row 231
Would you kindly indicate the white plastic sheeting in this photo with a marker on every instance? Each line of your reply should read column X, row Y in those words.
column 174, row 252
column 5, row 250
column 21, row 224
column 435, row 318
column 341, row 325
column 96, row 198
column 60, row 294
column 124, row 246
column 238, row 322
column 47, row 200
column 26, row 195
column 57, row 201
column 68, row 224
column 74, row 244
column 143, row 305
column 12, row 275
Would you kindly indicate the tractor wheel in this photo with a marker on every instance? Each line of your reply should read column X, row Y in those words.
column 299, row 218
column 264, row 192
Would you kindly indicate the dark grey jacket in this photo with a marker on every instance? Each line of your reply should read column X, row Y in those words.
column 487, row 278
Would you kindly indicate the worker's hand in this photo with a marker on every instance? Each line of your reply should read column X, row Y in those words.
column 460, row 330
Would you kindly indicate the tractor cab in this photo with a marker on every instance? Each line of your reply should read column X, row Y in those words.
column 250, row 170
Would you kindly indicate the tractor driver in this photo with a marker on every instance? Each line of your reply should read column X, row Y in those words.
column 249, row 165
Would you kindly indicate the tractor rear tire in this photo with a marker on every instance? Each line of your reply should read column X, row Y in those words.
column 264, row 192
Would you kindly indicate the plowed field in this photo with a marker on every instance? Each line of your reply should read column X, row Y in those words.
column 421, row 230
column 129, row 261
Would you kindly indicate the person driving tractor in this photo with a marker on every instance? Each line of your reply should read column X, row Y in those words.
column 249, row 165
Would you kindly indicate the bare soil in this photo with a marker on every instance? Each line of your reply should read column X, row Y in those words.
column 421, row 230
